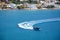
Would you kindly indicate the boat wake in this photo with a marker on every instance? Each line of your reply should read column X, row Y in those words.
column 29, row 24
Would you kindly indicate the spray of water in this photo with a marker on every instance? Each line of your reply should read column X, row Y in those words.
column 29, row 24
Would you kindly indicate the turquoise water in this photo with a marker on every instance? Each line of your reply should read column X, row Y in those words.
column 9, row 29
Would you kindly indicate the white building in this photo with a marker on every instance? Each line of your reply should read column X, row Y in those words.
column 32, row 0
column 23, row 0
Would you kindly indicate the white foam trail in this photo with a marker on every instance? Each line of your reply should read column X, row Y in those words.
column 29, row 24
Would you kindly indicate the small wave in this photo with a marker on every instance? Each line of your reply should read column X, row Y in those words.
column 29, row 24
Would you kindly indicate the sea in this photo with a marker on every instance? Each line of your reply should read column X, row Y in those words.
column 9, row 29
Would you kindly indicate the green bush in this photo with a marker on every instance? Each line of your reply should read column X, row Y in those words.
column 50, row 6
column 15, row 2
column 20, row 7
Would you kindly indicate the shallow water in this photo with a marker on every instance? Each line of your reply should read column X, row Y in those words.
column 9, row 29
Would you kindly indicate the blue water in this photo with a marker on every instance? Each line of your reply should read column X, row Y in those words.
column 9, row 29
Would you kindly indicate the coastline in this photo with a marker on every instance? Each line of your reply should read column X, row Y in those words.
column 34, row 9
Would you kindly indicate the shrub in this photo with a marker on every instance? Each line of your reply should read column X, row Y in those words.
column 20, row 7
column 50, row 6
column 15, row 2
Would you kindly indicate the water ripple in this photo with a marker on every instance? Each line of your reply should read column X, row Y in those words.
column 29, row 24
